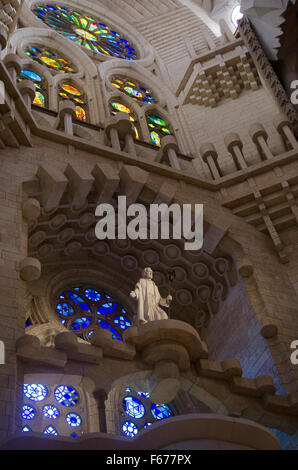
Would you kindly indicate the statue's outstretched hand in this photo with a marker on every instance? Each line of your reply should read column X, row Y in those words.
column 133, row 294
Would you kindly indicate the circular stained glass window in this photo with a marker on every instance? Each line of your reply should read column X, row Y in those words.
column 83, row 309
column 85, row 31
column 73, row 420
column 92, row 295
column 65, row 310
column 161, row 411
column 50, row 411
column 35, row 392
column 66, row 395
column 28, row 412
column 130, row 429
column 133, row 407
column 51, row 431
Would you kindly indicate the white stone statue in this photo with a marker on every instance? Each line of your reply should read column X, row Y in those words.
column 149, row 299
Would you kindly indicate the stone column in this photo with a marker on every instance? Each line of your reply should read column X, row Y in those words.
column 210, row 156
column 283, row 126
column 120, row 127
column 260, row 137
column 3, row 38
column 27, row 90
column 14, row 66
column 100, row 397
column 67, row 112
column 170, row 149
column 235, row 147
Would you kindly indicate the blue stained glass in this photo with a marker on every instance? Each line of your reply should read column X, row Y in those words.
column 133, row 407
column 80, row 323
column 93, row 295
column 107, row 308
column 144, row 395
column 73, row 420
column 50, row 411
column 35, row 392
column 104, row 324
column 31, row 75
column 66, row 395
column 74, row 26
column 28, row 412
column 65, row 309
column 128, row 389
column 26, row 429
column 161, row 411
column 115, row 334
column 62, row 321
column 130, row 429
column 122, row 322
column 77, row 300
column 90, row 334
column 147, row 424
column 74, row 435
column 51, row 431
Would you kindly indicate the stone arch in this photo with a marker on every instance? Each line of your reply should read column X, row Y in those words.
column 87, row 74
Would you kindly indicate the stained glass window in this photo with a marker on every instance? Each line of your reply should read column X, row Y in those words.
column 74, row 420
column 83, row 309
column 133, row 407
column 158, row 128
column 160, row 412
column 147, row 424
column 66, row 395
column 51, row 431
column 65, row 309
column 123, row 322
column 52, row 60
column 50, row 411
column 86, row 31
column 28, row 412
column 143, row 394
column 133, row 89
column 40, row 86
column 117, row 106
column 26, row 429
column 35, row 392
column 130, row 429
column 67, row 91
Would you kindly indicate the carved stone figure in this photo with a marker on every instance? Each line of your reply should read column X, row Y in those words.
column 149, row 299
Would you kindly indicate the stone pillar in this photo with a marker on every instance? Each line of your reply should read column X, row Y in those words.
column 14, row 66
column 170, row 149
column 283, row 126
column 260, row 137
column 67, row 112
column 3, row 38
column 27, row 90
column 100, row 397
column 120, row 127
column 235, row 147
column 210, row 156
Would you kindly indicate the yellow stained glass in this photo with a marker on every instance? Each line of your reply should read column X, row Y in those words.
column 79, row 101
column 81, row 113
column 86, row 35
column 64, row 95
column 84, row 22
column 70, row 89
column 51, row 62
column 116, row 85
column 131, row 84
column 120, row 107
column 119, row 81
column 39, row 99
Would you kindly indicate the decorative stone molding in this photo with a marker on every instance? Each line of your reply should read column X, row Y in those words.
column 253, row 45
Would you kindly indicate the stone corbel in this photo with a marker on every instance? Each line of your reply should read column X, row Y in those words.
column 168, row 347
